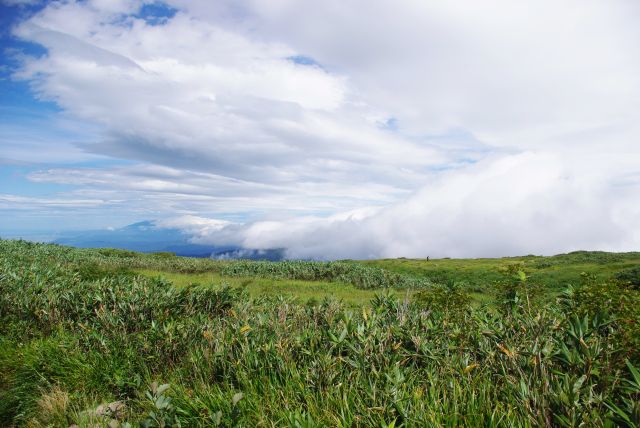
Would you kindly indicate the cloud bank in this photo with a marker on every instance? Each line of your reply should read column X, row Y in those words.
column 523, row 204
column 348, row 129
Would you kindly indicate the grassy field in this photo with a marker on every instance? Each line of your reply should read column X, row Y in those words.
column 113, row 338
column 554, row 272
column 303, row 290
column 477, row 276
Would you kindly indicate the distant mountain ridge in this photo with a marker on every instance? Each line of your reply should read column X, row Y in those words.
column 147, row 237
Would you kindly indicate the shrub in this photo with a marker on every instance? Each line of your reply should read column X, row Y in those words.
column 630, row 276
column 452, row 300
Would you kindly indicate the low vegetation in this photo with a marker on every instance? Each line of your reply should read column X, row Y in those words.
column 552, row 273
column 360, row 276
column 109, row 337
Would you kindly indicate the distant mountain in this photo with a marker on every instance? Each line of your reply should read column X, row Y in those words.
column 147, row 237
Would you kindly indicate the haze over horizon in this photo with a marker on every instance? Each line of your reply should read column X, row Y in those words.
column 335, row 129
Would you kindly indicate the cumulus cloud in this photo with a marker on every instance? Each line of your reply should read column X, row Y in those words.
column 355, row 129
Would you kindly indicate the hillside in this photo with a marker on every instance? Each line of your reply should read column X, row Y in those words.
column 101, row 336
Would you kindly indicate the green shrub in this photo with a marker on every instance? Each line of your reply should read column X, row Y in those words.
column 615, row 301
column 630, row 276
column 451, row 299
column 164, row 255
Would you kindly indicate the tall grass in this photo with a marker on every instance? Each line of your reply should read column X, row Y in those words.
column 77, row 331
column 360, row 276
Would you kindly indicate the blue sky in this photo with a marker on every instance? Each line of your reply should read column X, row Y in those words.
column 385, row 129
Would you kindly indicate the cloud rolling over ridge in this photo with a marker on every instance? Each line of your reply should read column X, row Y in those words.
column 527, row 203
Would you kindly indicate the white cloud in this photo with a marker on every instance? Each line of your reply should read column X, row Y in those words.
column 171, row 190
column 190, row 94
column 8, row 201
column 521, row 204
column 515, row 124
column 513, row 73
column 199, row 228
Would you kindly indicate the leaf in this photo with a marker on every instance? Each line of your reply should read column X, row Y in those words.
column 578, row 384
column 217, row 418
column 237, row 397
column 162, row 388
column 618, row 411
column 635, row 373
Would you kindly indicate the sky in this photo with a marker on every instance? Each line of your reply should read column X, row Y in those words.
column 334, row 129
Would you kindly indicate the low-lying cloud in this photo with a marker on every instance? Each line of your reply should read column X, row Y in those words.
column 529, row 203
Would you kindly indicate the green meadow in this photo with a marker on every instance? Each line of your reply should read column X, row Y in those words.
column 104, row 337
column 476, row 276
column 552, row 273
column 256, row 287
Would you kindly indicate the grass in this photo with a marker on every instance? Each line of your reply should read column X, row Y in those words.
column 256, row 287
column 478, row 276
column 552, row 273
column 166, row 343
